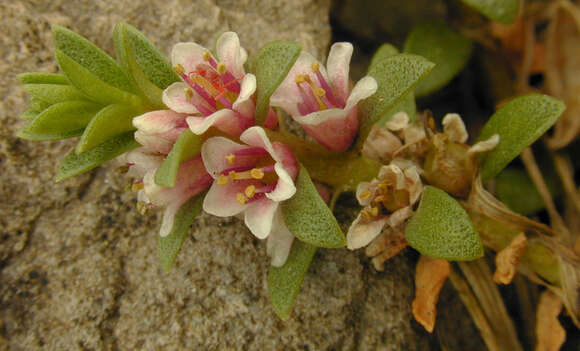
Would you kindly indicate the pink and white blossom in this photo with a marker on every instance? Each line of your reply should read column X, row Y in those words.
column 320, row 99
column 252, row 179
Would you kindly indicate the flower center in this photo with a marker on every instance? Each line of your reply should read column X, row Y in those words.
column 387, row 199
column 316, row 96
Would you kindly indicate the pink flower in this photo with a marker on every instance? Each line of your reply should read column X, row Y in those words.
column 158, row 130
column 214, row 92
column 252, row 179
column 320, row 99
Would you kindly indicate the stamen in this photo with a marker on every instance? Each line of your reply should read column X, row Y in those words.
column 137, row 186
column 222, row 180
column 123, row 169
column 250, row 151
column 257, row 173
column 241, row 198
column 204, row 95
column 221, row 68
column 250, row 191
column 254, row 173
column 179, row 69
column 207, row 57
column 231, row 158
column 188, row 93
column 374, row 211
column 142, row 207
column 324, row 84
column 365, row 194
column 315, row 66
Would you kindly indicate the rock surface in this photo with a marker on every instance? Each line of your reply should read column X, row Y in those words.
column 78, row 265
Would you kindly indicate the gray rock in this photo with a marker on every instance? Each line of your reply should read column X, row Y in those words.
column 79, row 266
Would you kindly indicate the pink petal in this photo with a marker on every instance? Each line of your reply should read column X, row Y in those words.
column 286, row 157
column 154, row 142
column 142, row 161
column 189, row 55
column 174, row 98
column 214, row 152
column 361, row 233
column 364, row 88
column 338, row 64
column 231, row 53
column 221, row 199
column 224, row 120
column 244, row 104
column 279, row 241
column 256, row 136
column 259, row 217
column 333, row 128
column 159, row 122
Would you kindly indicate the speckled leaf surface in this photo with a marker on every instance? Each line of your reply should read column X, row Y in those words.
column 503, row 11
column 186, row 146
column 109, row 122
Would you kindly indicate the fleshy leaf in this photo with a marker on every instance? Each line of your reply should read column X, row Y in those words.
column 383, row 52
column 519, row 123
column 396, row 76
column 503, row 11
column 169, row 246
column 186, row 146
column 42, row 78
column 92, row 85
column 53, row 93
column 309, row 218
column 90, row 57
column 441, row 45
column 29, row 114
column 271, row 65
column 442, row 229
column 60, row 121
column 74, row 164
column 36, row 104
column 111, row 121
column 284, row 282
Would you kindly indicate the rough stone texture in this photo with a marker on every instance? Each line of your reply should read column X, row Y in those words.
column 79, row 266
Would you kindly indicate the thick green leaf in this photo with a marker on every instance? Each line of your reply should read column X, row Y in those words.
column 186, row 146
column 169, row 246
column 92, row 85
column 147, row 57
column 36, row 104
column 442, row 229
column 53, row 93
column 308, row 217
column 441, row 45
column 74, row 164
column 383, row 52
column 396, row 76
column 90, row 57
column 60, row 121
column 503, row 11
column 111, row 121
column 271, row 65
column 42, row 78
column 29, row 114
column 284, row 282
column 519, row 123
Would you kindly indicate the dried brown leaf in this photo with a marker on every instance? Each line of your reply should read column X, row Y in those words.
column 507, row 260
column 549, row 331
column 430, row 275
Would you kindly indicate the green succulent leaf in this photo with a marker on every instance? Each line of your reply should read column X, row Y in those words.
column 441, row 45
column 53, row 93
column 284, row 282
column 519, row 123
column 36, row 104
column 271, row 65
column 111, row 121
column 442, row 229
column 42, row 78
column 503, row 11
column 169, row 246
column 396, row 77
column 74, row 164
column 60, row 121
column 383, row 52
column 90, row 57
column 29, row 114
column 308, row 217
column 186, row 146
column 90, row 84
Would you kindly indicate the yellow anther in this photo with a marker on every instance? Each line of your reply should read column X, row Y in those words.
column 142, row 207
column 250, row 191
column 205, row 84
column 319, row 92
column 241, row 198
column 301, row 78
column 206, row 55
column 257, row 173
column 179, row 69
column 188, row 93
column 379, row 198
column 222, row 180
column 221, row 68
column 137, row 186
column 366, row 215
column 231, row 158
column 233, row 175
column 365, row 194
column 123, row 169
column 315, row 66
column 374, row 211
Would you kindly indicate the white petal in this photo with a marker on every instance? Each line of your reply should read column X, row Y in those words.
column 454, row 127
column 337, row 65
column 158, row 122
column 381, row 144
column 360, row 188
column 485, row 145
column 256, row 136
column 244, row 104
column 224, row 120
column 259, row 217
column 364, row 88
column 394, row 174
column 279, row 241
column 399, row 121
column 416, row 186
column 221, row 199
column 360, row 234
column 141, row 162
column 168, row 219
column 318, row 117
column 214, row 152
column 285, row 187
column 399, row 216
column 153, row 142
column 229, row 51
column 174, row 97
column 414, row 133
column 189, row 55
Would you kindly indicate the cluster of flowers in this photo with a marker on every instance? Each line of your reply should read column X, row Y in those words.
column 245, row 172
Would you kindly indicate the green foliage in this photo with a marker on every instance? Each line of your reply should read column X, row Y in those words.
column 42, row 78
column 186, row 146
column 441, row 45
column 519, row 123
column 271, row 65
column 383, row 52
column 309, row 218
column 442, row 229
column 53, row 93
column 503, row 11
column 168, row 247
column 284, row 282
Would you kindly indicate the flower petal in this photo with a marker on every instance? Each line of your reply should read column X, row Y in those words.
column 154, row 142
column 399, row 121
column 168, row 219
column 361, row 233
column 279, row 241
column 230, row 52
column 364, row 88
column 333, row 128
column 159, row 122
column 214, row 152
column 221, row 199
column 174, row 97
column 338, row 64
column 259, row 217
column 189, row 55
column 454, row 127
column 224, row 120
column 285, row 187
column 399, row 216
column 485, row 145
column 141, row 162
column 256, row 136
column 244, row 104
column 360, row 189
